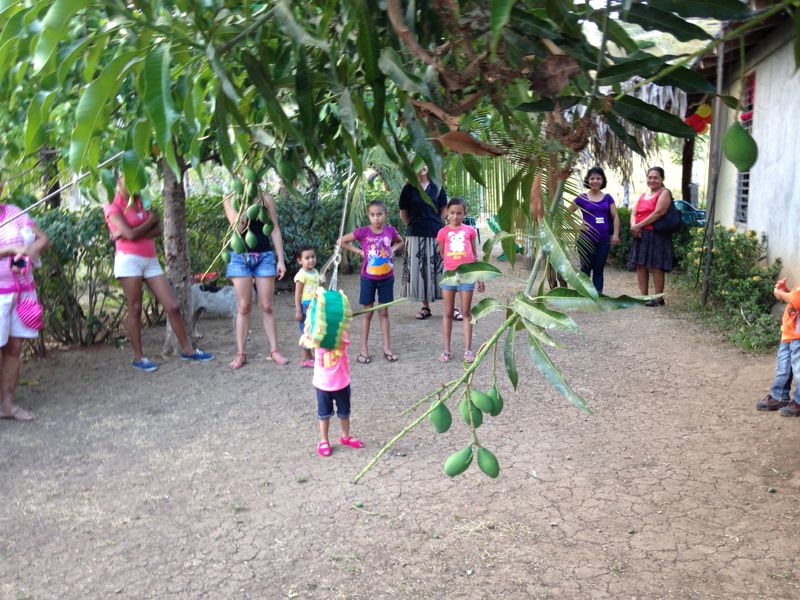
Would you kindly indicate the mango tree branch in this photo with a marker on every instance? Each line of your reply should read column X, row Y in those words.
column 509, row 322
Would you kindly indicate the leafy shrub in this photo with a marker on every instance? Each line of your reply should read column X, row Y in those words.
column 206, row 225
column 619, row 254
column 82, row 301
column 740, row 285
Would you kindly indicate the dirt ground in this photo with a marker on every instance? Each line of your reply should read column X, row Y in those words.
column 199, row 482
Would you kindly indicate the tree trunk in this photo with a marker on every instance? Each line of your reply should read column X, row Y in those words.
column 176, row 250
column 688, row 163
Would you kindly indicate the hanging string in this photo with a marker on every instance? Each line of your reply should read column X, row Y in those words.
column 337, row 251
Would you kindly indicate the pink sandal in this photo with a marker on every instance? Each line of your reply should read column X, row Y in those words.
column 238, row 361
column 469, row 356
column 278, row 358
column 324, row 448
column 351, row 441
column 307, row 364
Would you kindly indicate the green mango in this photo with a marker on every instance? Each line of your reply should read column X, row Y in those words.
column 739, row 147
column 488, row 463
column 268, row 227
column 477, row 416
column 238, row 187
column 226, row 256
column 252, row 191
column 250, row 174
column 458, row 462
column 286, row 169
column 497, row 401
column 237, row 243
column 481, row 400
column 250, row 239
column 252, row 211
column 263, row 215
column 440, row 418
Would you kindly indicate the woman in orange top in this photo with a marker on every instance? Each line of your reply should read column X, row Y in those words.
column 651, row 251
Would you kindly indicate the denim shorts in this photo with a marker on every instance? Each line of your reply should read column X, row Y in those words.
column 461, row 287
column 303, row 310
column 384, row 288
column 252, row 264
column 325, row 403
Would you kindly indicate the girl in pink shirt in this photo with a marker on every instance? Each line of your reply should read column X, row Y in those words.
column 458, row 246
column 332, row 382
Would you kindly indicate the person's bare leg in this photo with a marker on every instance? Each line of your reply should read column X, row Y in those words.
column 265, row 287
column 642, row 279
column 159, row 285
column 9, row 376
column 132, row 289
column 324, row 424
column 366, row 322
column 449, row 297
column 658, row 281
column 466, row 313
column 344, row 424
column 383, row 314
column 243, row 286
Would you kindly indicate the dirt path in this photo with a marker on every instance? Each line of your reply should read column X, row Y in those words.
column 198, row 482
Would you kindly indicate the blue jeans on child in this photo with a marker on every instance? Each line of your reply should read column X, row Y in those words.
column 787, row 364
column 325, row 403
column 303, row 310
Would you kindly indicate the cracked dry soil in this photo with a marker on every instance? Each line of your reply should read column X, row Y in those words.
column 199, row 482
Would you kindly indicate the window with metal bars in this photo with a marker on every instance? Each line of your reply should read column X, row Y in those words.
column 748, row 97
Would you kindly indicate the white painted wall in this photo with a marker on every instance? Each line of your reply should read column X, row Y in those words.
column 774, row 204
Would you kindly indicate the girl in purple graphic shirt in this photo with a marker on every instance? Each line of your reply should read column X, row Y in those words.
column 601, row 225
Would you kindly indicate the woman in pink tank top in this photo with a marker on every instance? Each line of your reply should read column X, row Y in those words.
column 651, row 251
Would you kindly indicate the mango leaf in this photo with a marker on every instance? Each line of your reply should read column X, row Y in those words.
column 222, row 75
column 540, row 334
column 486, row 306
column 392, row 66
column 562, row 13
column 8, row 53
column 509, row 356
column 653, row 19
column 34, row 131
column 158, row 101
column 96, row 50
column 347, row 112
column 724, row 10
column 226, row 152
column 305, row 94
column 141, row 138
column 553, row 247
column 616, row 32
column 260, row 78
column 368, row 42
column 90, row 110
column 538, row 314
column 500, row 14
column 620, row 131
column 54, row 28
column 473, row 167
column 624, row 69
column 688, row 80
column 470, row 273
column 549, row 104
column 553, row 375
column 71, row 55
column 133, row 170
column 653, row 118
column 506, row 215
column 422, row 145
column 490, row 243
column 283, row 13
column 566, row 299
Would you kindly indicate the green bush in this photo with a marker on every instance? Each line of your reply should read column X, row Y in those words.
column 82, row 301
column 206, row 225
column 619, row 254
column 740, row 285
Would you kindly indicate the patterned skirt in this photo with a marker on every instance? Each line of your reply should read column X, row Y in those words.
column 653, row 250
column 422, row 269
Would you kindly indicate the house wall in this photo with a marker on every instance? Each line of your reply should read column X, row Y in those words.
column 774, row 202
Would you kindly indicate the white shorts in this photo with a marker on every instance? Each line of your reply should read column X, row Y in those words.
column 133, row 265
column 10, row 325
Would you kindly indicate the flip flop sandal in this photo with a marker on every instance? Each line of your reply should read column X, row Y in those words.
column 351, row 441
column 324, row 448
column 238, row 361
column 469, row 356
column 391, row 357
column 307, row 364
column 364, row 360
column 445, row 357
column 424, row 313
column 278, row 358
column 457, row 315
column 19, row 414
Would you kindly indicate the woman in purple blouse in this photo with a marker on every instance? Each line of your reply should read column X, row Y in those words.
column 601, row 225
